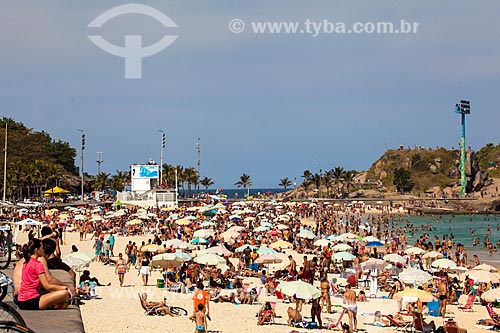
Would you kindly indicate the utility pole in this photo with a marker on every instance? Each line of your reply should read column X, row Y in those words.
column 5, row 165
column 82, row 150
column 99, row 161
column 199, row 163
column 462, row 108
column 162, row 147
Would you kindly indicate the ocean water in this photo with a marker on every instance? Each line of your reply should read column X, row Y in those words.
column 240, row 192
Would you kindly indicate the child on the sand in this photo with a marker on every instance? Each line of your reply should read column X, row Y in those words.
column 200, row 319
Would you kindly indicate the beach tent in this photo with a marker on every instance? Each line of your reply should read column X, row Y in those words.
column 56, row 190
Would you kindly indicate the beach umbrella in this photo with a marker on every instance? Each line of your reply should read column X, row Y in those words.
column 243, row 247
column 119, row 213
column 207, row 224
column 274, row 232
column 266, row 250
column 150, row 248
column 306, row 234
column 210, row 259
column 190, row 217
column 177, row 244
column 491, row 295
column 183, row 256
column 414, row 250
column 342, row 247
column 374, row 244
column 373, row 263
column 220, row 250
column 230, row 234
column 166, row 260
column 134, row 222
column 414, row 276
column 260, row 229
column 284, row 217
column 63, row 216
column 210, row 212
column 280, row 244
column 74, row 261
column 483, row 276
column 299, row 289
column 236, row 228
column 249, row 219
column 199, row 240
column 485, row 267
column 268, row 259
column 203, row 233
column 183, row 222
column 349, row 235
column 266, row 224
column 334, row 237
column 343, row 256
column 88, row 257
column 322, row 242
column 282, row 227
column 422, row 295
column 394, row 258
column 443, row 264
column 370, row 239
column 433, row 255
column 235, row 218
column 96, row 218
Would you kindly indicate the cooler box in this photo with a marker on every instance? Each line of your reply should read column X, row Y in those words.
column 160, row 283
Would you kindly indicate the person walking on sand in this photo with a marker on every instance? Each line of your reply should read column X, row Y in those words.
column 200, row 320
column 145, row 268
column 442, row 290
column 352, row 307
column 121, row 268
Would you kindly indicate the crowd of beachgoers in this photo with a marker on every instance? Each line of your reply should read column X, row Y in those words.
column 319, row 257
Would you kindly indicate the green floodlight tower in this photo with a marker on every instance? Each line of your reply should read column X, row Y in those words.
column 462, row 108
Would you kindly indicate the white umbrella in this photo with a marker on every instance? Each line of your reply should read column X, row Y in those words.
column 236, row 228
column 261, row 229
column 491, row 295
column 485, row 267
column 342, row 247
column 349, row 235
column 368, row 239
column 80, row 217
column 306, row 234
column 343, row 256
column 220, row 250
column 96, row 218
column 282, row 226
column 373, row 263
column 394, row 258
column 322, row 242
column 177, row 244
column 210, row 259
column 266, row 250
column 414, row 276
column 268, row 259
column 414, row 250
column 166, row 260
column 443, row 263
column 207, row 224
column 483, row 276
column 243, row 247
column 203, row 233
column 433, row 254
column 299, row 289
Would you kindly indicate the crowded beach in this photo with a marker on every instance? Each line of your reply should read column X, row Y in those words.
column 250, row 266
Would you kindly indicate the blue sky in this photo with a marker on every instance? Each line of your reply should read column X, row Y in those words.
column 269, row 105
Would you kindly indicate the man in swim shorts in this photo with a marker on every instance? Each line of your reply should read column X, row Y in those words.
column 352, row 307
column 200, row 319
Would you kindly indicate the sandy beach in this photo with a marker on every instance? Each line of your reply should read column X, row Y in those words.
column 119, row 308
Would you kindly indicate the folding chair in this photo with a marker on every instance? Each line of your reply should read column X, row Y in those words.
column 468, row 305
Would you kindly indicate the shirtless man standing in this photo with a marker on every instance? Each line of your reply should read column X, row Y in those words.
column 442, row 289
column 325, row 295
column 292, row 267
column 306, row 275
column 352, row 307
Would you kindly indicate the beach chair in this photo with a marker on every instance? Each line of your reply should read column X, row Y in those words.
column 468, row 305
column 151, row 310
column 494, row 317
column 420, row 326
column 271, row 319
column 406, row 326
column 338, row 323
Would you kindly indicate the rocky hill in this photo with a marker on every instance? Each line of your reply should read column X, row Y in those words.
column 434, row 170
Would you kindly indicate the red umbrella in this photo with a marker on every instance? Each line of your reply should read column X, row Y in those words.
column 274, row 232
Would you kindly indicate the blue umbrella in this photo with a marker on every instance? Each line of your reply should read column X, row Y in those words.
column 374, row 244
column 199, row 240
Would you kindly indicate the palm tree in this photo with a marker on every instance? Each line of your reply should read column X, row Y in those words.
column 190, row 177
column 101, row 181
column 350, row 177
column 338, row 175
column 307, row 180
column 169, row 174
column 316, row 179
column 207, row 182
column 180, row 176
column 328, row 180
column 244, row 182
column 119, row 181
column 54, row 173
column 285, row 182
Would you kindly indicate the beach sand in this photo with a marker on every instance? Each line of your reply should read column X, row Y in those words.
column 119, row 309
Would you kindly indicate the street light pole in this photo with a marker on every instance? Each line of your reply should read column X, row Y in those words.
column 82, row 150
column 462, row 108
column 162, row 147
column 198, row 149
column 5, row 165
column 99, row 161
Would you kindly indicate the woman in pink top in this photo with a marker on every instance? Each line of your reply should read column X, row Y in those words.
column 34, row 281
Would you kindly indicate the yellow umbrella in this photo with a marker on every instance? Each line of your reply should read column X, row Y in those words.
column 56, row 190
column 423, row 295
column 64, row 216
column 281, row 243
column 183, row 222
column 134, row 221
